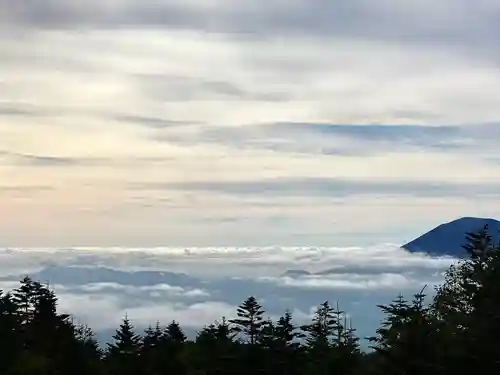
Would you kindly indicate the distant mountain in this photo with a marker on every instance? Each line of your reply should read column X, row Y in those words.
column 448, row 238
column 74, row 275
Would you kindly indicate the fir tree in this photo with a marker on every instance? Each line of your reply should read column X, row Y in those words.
column 318, row 336
column 174, row 334
column 123, row 352
column 406, row 340
column 286, row 332
column 250, row 320
column 320, row 331
column 11, row 343
column 345, row 344
column 467, row 307
column 285, row 354
column 125, row 341
column 215, row 350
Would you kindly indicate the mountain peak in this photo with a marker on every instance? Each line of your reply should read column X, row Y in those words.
column 448, row 238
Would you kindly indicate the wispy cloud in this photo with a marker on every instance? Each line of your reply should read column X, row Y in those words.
column 189, row 122
column 331, row 187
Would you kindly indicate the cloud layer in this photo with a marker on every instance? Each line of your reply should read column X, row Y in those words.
column 196, row 286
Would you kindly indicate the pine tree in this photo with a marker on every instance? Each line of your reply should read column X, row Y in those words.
column 223, row 332
column 152, row 347
column 79, row 351
column 318, row 339
column 11, row 344
column 126, row 341
column 123, row 352
column 345, row 344
column 172, row 344
column 24, row 298
column 268, row 338
column 250, row 320
column 215, row 349
column 174, row 334
column 286, row 333
column 406, row 340
column 479, row 245
column 389, row 335
column 320, row 331
column 86, row 338
column 152, row 337
column 281, row 338
column 217, row 332
column 467, row 307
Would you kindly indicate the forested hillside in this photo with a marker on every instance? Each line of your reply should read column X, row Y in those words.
column 457, row 331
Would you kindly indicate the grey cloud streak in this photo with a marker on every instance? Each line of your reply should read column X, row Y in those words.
column 457, row 23
column 327, row 187
column 330, row 139
column 172, row 88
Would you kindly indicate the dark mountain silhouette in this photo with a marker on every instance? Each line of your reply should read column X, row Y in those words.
column 447, row 239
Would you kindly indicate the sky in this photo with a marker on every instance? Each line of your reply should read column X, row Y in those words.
column 245, row 123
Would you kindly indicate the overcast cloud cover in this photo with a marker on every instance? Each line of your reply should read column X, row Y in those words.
column 238, row 122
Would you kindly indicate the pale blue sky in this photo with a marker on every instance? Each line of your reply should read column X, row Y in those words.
column 240, row 122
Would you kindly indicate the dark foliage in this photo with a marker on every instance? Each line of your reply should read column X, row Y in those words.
column 457, row 331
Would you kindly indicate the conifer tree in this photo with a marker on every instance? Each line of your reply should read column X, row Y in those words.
column 286, row 332
column 152, row 337
column 174, row 334
column 86, row 337
column 406, row 340
column 24, row 298
column 152, row 350
column 345, row 344
column 172, row 343
column 216, row 349
column 217, row 332
column 123, row 352
column 318, row 337
column 250, row 320
column 320, row 331
column 282, row 340
column 125, row 341
column 467, row 306
column 11, row 343
column 389, row 335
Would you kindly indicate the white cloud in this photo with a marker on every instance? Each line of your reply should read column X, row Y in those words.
column 393, row 281
column 215, row 280
column 221, row 261
column 105, row 312
column 153, row 290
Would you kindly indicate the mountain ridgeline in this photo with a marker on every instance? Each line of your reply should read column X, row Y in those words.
column 455, row 330
column 448, row 239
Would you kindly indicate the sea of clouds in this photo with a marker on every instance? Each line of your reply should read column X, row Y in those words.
column 196, row 286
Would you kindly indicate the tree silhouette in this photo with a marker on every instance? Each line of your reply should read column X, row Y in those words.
column 318, row 336
column 250, row 320
column 122, row 353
